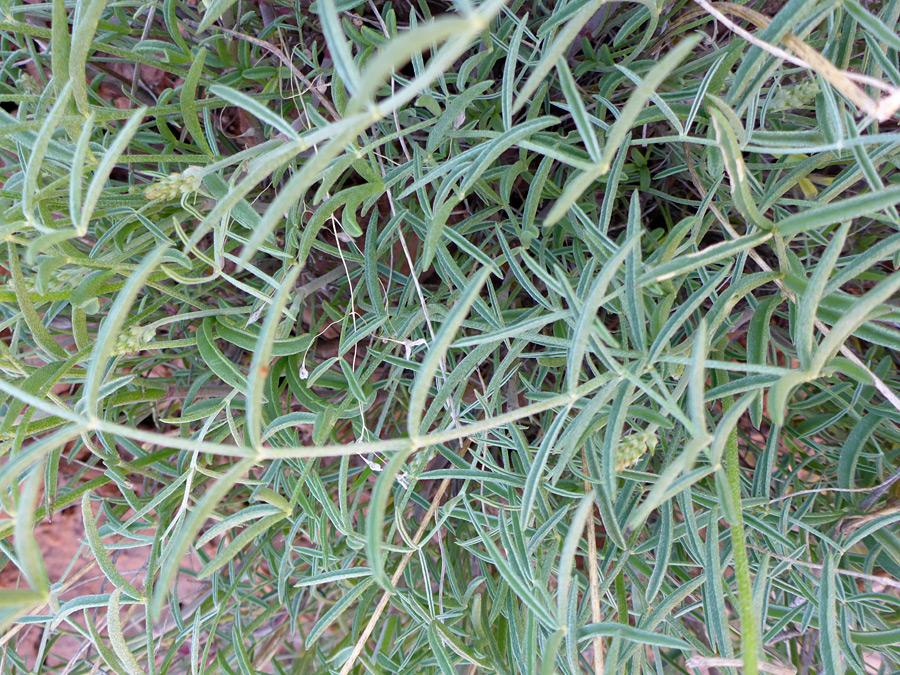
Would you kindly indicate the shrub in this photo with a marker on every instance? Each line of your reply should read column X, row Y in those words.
column 449, row 338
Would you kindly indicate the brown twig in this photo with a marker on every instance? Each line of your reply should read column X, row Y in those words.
column 706, row 662
column 887, row 581
column 810, row 59
column 593, row 576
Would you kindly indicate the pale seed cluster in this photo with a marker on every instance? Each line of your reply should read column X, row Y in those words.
column 795, row 96
column 175, row 185
column 633, row 447
column 134, row 339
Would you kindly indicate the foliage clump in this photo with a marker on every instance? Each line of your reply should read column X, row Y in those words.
column 450, row 338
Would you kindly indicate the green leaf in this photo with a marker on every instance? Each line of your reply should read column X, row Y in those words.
column 338, row 47
column 661, row 341
column 376, row 515
column 862, row 310
column 780, row 394
column 707, row 256
column 21, row 598
column 511, row 576
column 872, row 24
column 509, row 72
column 809, row 301
column 86, row 21
column 239, row 543
column 104, row 169
column 44, row 138
column 738, row 174
column 635, row 308
column 336, row 611
column 727, row 424
column 292, row 191
column 262, row 355
column 60, row 46
column 30, row 560
column 569, row 550
column 595, row 297
column 852, row 448
column 697, row 380
column 188, row 100
column 548, row 654
column 350, row 198
column 579, row 113
column 625, row 632
column 758, row 344
column 663, row 553
column 105, row 652
column 551, row 54
column 536, row 470
column 255, row 108
column 223, row 368
column 617, row 134
column 111, row 327
column 214, row 10
column 843, row 210
column 82, row 148
column 497, row 146
column 332, row 577
column 392, row 56
column 714, row 592
column 458, row 105
column 236, row 519
column 438, row 349
column 184, row 537
column 829, row 647
column 104, row 562
column 114, row 628
column 32, row 319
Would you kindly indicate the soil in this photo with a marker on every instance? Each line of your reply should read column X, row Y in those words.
column 70, row 563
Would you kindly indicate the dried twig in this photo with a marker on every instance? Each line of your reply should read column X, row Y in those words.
column 593, row 577
column 809, row 58
column 712, row 661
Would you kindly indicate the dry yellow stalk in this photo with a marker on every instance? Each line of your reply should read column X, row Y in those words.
column 806, row 57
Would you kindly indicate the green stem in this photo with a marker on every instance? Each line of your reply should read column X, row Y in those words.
column 747, row 615
column 622, row 597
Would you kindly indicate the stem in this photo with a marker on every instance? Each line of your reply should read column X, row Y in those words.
column 593, row 577
column 621, row 596
column 747, row 615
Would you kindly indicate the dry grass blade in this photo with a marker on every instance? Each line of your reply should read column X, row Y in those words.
column 807, row 57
